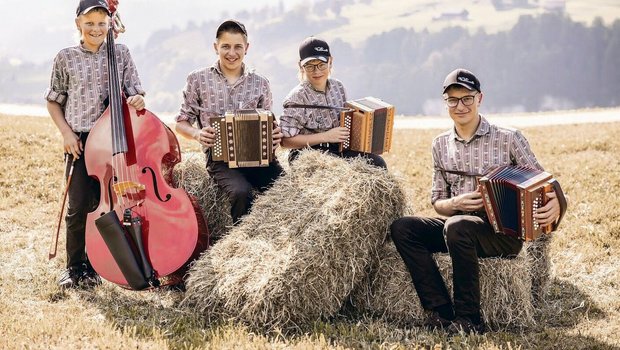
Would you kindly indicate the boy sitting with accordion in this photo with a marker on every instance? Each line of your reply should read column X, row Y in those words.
column 472, row 148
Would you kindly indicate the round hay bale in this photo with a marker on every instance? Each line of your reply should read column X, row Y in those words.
column 191, row 175
column 505, row 290
column 306, row 243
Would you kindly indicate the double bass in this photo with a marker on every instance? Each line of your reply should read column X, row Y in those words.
column 144, row 232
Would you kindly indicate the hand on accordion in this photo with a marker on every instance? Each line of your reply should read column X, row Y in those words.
column 468, row 202
column 337, row 134
column 205, row 136
column 276, row 135
column 550, row 212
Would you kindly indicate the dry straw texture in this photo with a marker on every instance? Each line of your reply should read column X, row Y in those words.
column 191, row 174
column 506, row 287
column 303, row 248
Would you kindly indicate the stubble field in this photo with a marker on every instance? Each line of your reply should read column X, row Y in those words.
column 582, row 310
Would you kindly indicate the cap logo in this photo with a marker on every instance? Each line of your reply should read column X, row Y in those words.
column 321, row 49
column 466, row 80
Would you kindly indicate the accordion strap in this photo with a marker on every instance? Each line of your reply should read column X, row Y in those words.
column 299, row 105
column 561, row 199
column 457, row 172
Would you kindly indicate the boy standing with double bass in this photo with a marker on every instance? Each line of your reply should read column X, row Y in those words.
column 75, row 100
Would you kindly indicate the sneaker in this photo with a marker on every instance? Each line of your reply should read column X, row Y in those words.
column 466, row 326
column 69, row 278
column 88, row 277
column 434, row 321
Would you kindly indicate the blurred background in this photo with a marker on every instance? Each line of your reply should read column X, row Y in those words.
column 530, row 55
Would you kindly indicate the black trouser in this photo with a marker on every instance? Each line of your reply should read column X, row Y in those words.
column 332, row 148
column 83, row 198
column 238, row 183
column 466, row 238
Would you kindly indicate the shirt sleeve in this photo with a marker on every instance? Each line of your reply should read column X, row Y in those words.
column 520, row 152
column 131, row 80
column 59, row 82
column 439, row 188
column 291, row 118
column 191, row 98
column 267, row 99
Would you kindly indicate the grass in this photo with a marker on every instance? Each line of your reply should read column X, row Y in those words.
column 581, row 312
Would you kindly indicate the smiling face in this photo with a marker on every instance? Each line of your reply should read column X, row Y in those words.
column 462, row 115
column 317, row 72
column 93, row 27
column 231, row 49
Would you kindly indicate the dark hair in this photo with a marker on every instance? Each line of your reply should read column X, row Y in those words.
column 232, row 27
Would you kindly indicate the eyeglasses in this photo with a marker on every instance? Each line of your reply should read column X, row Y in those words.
column 466, row 100
column 309, row 68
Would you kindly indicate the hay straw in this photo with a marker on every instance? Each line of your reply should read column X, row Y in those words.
column 305, row 244
column 191, row 175
column 506, row 288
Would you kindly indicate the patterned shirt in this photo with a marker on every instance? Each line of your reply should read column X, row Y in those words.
column 208, row 89
column 490, row 147
column 306, row 121
column 79, row 83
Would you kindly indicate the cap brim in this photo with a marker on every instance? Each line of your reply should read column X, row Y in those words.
column 468, row 87
column 308, row 59
column 88, row 9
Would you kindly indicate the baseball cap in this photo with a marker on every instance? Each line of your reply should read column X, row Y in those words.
column 313, row 49
column 229, row 24
column 86, row 6
column 462, row 77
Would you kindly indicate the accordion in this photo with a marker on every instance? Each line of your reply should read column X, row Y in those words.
column 243, row 138
column 370, row 122
column 511, row 196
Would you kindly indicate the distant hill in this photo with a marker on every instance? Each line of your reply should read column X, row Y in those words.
column 530, row 55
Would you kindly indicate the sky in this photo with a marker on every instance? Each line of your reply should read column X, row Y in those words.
column 48, row 25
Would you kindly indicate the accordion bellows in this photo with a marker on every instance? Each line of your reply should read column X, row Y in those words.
column 511, row 196
column 243, row 138
column 370, row 121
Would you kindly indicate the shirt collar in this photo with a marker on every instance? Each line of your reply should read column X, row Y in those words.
column 218, row 69
column 307, row 85
column 483, row 129
column 102, row 48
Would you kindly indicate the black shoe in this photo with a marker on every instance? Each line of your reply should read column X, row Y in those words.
column 88, row 277
column 69, row 278
column 466, row 326
column 434, row 321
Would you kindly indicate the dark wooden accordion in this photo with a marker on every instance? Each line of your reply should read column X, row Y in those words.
column 243, row 138
column 511, row 196
column 371, row 122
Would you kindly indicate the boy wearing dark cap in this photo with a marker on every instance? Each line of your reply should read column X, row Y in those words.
column 317, row 128
column 228, row 85
column 472, row 147
column 75, row 100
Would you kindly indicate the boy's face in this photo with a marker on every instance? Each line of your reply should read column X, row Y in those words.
column 231, row 49
column 461, row 114
column 317, row 72
column 93, row 28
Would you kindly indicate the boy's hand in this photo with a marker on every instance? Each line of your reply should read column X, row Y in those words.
column 136, row 101
column 72, row 144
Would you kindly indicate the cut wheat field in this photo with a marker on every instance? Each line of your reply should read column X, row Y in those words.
column 582, row 310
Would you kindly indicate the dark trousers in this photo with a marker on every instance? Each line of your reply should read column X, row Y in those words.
column 83, row 198
column 466, row 238
column 332, row 148
column 238, row 183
